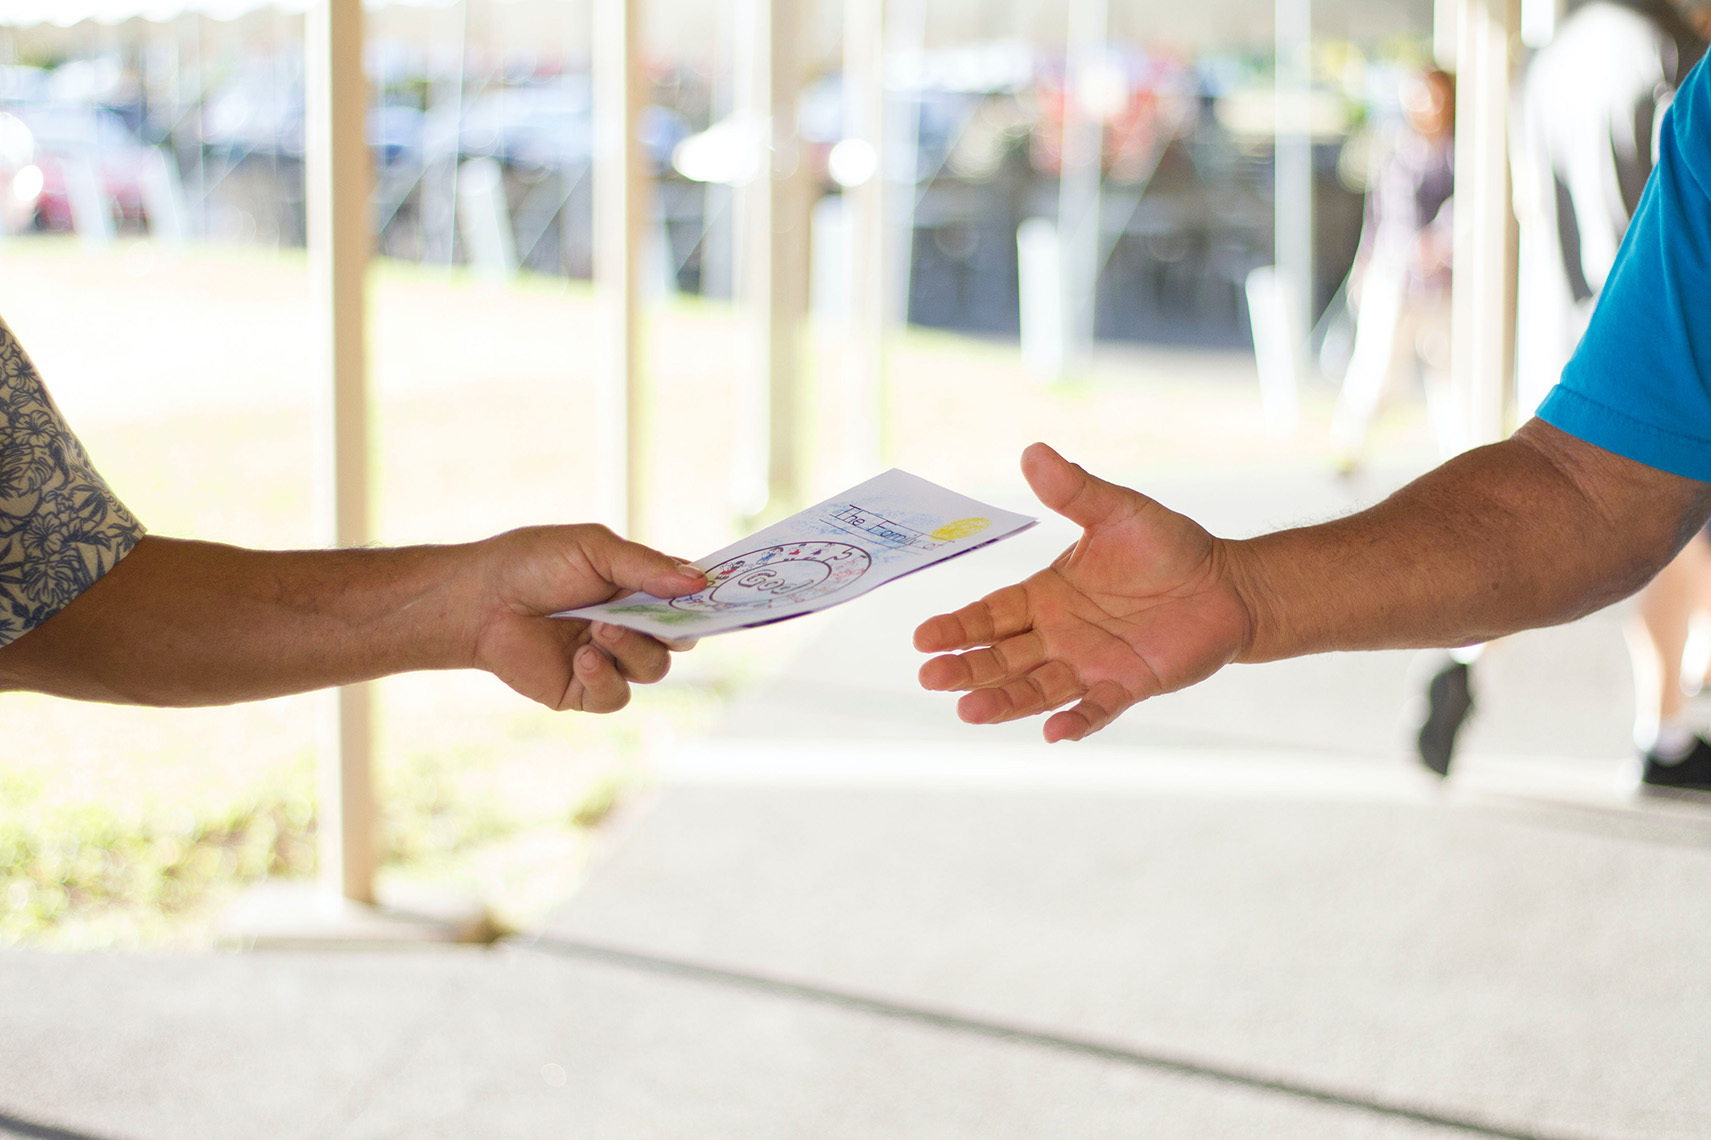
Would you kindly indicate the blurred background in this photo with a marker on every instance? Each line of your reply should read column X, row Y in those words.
column 420, row 271
column 153, row 262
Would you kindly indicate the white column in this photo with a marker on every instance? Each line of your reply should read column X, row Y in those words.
column 337, row 174
column 1539, row 20
column 787, row 293
column 772, row 261
column 1446, row 21
column 620, row 202
column 1293, row 200
column 864, row 218
column 906, row 36
column 1482, row 304
column 1079, row 178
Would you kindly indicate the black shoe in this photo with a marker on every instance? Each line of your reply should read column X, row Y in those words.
column 1449, row 699
column 1692, row 773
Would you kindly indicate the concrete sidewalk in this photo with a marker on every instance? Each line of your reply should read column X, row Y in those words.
column 1242, row 912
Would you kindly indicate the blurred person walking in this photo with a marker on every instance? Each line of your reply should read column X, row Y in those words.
column 1401, row 276
column 1583, row 143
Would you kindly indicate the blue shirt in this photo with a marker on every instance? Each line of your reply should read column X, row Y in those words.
column 1639, row 384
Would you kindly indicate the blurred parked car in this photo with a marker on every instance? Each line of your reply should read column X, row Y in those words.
column 396, row 132
column 550, row 126
column 73, row 142
column 546, row 126
column 259, row 111
column 20, row 176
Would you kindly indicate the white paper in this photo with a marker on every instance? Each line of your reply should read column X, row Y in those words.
column 889, row 526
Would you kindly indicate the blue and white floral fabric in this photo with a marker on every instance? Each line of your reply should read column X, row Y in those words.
column 60, row 527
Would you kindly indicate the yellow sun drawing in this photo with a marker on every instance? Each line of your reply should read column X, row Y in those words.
column 961, row 528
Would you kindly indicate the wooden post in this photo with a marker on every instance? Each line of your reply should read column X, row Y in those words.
column 337, row 173
column 1482, row 301
column 1079, row 179
column 620, row 204
column 1293, row 171
column 906, row 34
column 772, row 261
column 862, row 429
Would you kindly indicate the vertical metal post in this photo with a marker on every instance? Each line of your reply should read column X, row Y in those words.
column 620, row 202
column 1539, row 20
column 193, row 125
column 1482, row 298
column 899, row 163
column 751, row 70
column 438, row 191
column 787, row 293
column 337, row 174
column 773, row 259
column 1293, row 201
column 864, row 358
column 1446, row 25
column 718, row 242
column 1079, row 179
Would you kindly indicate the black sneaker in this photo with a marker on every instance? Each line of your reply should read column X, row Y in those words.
column 1692, row 773
column 1449, row 698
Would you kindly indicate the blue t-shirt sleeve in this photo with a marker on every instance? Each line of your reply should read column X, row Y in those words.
column 1640, row 382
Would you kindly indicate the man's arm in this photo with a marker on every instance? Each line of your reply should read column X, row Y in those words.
column 1539, row 529
column 194, row 623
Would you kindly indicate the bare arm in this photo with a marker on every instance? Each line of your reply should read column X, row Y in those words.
column 1539, row 529
column 195, row 623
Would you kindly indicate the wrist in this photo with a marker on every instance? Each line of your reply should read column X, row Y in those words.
column 415, row 607
column 445, row 619
column 1250, row 575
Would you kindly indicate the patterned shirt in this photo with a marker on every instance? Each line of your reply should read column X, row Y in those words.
column 60, row 527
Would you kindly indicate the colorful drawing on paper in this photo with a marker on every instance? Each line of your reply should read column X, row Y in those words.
column 781, row 575
column 872, row 527
column 872, row 533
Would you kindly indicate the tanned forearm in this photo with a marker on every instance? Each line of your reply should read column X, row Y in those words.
column 1537, row 530
column 196, row 623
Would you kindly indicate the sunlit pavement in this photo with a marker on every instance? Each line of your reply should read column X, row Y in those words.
column 1240, row 912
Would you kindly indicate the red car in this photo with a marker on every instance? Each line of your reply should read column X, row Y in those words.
column 80, row 142
column 21, row 178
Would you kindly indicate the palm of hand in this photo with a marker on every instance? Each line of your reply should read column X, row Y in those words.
column 1139, row 606
column 1161, row 626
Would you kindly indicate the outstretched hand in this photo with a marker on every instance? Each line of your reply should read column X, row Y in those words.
column 1142, row 604
column 562, row 662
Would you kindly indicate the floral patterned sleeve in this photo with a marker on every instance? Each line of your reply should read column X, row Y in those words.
column 60, row 527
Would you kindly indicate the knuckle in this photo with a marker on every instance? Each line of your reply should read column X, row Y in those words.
column 596, row 533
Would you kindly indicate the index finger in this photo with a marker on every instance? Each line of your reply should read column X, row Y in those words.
column 638, row 656
column 1000, row 614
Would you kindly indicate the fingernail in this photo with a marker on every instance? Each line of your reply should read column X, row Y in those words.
column 689, row 571
column 587, row 656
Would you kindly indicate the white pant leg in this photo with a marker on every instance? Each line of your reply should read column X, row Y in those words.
column 1426, row 325
column 1373, row 362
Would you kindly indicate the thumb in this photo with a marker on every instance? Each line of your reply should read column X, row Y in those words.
column 1083, row 499
column 633, row 566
